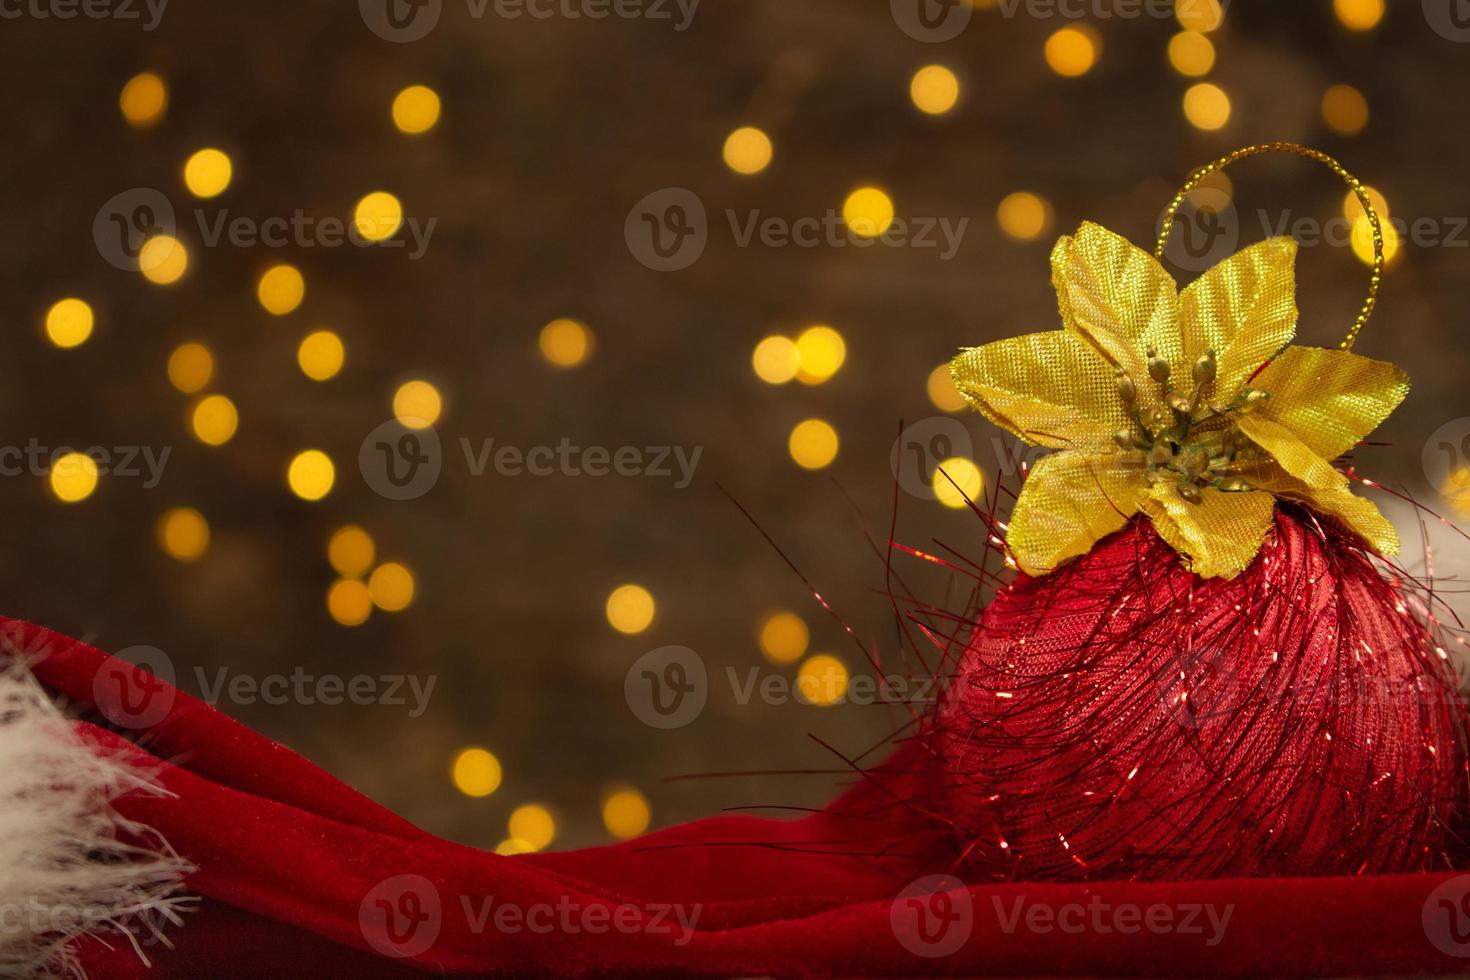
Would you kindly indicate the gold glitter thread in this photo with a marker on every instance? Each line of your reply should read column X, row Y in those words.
column 1296, row 149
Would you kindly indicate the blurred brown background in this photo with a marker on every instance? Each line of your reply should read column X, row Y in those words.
column 551, row 131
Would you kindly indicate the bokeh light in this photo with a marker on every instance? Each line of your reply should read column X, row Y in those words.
column 416, row 109
column 747, row 150
column 1206, row 106
column 207, row 172
column 1359, row 15
column 1352, row 208
column 820, row 352
column 351, row 551
column 1191, row 54
column 183, row 534
column 310, row 474
column 934, row 89
column 784, row 637
column 957, row 481
column 377, row 216
column 1344, row 110
column 533, row 824
column 476, row 772
column 565, row 343
column 822, row 680
column 1199, row 15
column 73, row 477
column 943, row 395
column 190, row 367
column 868, row 211
column 1024, row 216
column 1363, row 239
column 417, row 404
column 320, row 355
column 348, row 602
column 163, row 260
column 1072, row 51
column 776, row 360
column 144, row 99
column 280, row 289
column 630, row 609
column 391, row 586
column 214, row 420
column 512, row 846
column 69, row 322
column 626, row 813
column 813, row 444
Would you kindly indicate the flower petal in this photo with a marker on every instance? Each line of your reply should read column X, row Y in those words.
column 1119, row 298
column 1293, row 455
column 1244, row 309
column 1331, row 399
column 1068, row 503
column 1358, row 514
column 1217, row 537
column 1051, row 389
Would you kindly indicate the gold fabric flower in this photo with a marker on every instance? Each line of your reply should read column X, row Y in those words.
column 1185, row 405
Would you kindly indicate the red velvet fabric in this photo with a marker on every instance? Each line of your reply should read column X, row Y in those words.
column 291, row 865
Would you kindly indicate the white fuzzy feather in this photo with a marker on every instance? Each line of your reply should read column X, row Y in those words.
column 65, row 868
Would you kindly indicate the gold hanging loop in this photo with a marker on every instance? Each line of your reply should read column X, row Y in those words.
column 1311, row 154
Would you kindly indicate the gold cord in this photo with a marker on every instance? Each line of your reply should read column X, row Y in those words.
column 1310, row 154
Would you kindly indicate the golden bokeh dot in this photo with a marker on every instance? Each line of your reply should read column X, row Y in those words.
column 1191, row 54
column 868, row 211
column 163, row 260
column 280, row 289
column 784, row 637
column 69, row 322
column 532, row 824
column 565, row 342
column 207, row 172
column 416, row 109
column 1072, row 51
column 476, row 772
column 957, row 482
column 73, row 477
column 1206, row 106
column 1024, row 216
column 1363, row 240
column 349, row 602
column 822, row 680
column 417, row 404
column 1359, row 15
column 144, row 99
column 776, row 360
column 1456, row 489
column 320, row 355
column 1344, row 110
column 626, row 813
column 377, row 216
column 942, row 392
column 214, row 420
column 351, row 551
column 190, row 367
column 310, row 474
column 1199, row 15
column 392, row 586
column 1352, row 208
column 820, row 352
column 630, row 609
column 747, row 150
column 512, row 846
column 183, row 534
column 934, row 89
column 813, row 444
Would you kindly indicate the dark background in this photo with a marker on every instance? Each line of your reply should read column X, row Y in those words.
column 551, row 131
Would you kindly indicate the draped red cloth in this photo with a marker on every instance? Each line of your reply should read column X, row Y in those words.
column 299, row 875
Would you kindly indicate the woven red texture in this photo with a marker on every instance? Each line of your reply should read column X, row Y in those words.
column 1123, row 719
